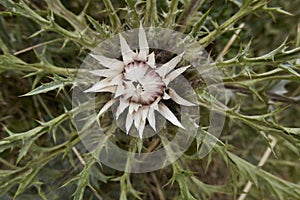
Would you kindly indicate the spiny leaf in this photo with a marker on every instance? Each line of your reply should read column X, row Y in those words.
column 15, row 139
column 151, row 13
column 83, row 180
column 184, row 188
column 21, row 8
column 281, row 187
column 98, row 27
column 55, row 84
column 200, row 23
column 114, row 19
column 28, row 180
column 170, row 18
column 290, row 68
column 206, row 189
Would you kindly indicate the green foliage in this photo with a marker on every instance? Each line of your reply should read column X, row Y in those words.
column 42, row 45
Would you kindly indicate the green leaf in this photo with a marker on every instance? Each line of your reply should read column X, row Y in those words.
column 16, row 139
column 98, row 27
column 83, row 180
column 27, row 180
column 290, row 68
column 44, row 88
column 201, row 21
column 281, row 188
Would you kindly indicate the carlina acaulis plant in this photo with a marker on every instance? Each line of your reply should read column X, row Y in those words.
column 254, row 44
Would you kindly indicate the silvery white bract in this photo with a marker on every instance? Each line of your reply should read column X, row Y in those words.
column 139, row 85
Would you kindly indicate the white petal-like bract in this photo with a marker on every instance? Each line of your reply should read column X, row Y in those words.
column 129, row 121
column 167, row 113
column 106, row 72
column 143, row 43
column 106, row 106
column 174, row 74
column 127, row 54
column 109, row 62
column 122, row 106
column 169, row 66
column 151, row 60
column 178, row 99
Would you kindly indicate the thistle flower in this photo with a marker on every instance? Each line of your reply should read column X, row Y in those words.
column 139, row 84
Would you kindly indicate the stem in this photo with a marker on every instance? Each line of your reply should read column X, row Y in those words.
column 81, row 160
column 36, row 46
column 231, row 41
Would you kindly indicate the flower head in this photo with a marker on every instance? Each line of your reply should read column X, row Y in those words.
column 139, row 85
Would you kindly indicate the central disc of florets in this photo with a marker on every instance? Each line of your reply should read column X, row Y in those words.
column 142, row 84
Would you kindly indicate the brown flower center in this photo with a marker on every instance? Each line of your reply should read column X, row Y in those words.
column 142, row 84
